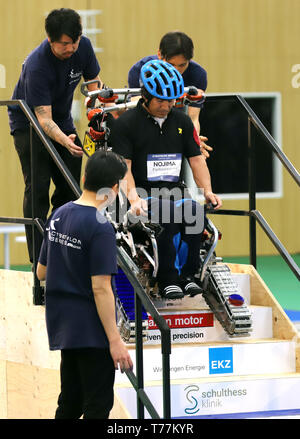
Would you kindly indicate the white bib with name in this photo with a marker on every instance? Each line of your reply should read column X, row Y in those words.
column 163, row 167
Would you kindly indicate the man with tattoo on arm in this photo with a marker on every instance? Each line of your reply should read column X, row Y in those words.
column 49, row 76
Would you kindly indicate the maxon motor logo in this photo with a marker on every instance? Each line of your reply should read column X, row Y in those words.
column 184, row 327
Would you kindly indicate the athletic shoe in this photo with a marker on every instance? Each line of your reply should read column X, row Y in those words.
column 171, row 292
column 190, row 288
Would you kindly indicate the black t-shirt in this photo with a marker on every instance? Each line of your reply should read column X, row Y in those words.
column 157, row 152
column 47, row 80
column 79, row 243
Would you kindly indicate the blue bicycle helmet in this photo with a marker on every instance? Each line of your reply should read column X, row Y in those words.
column 161, row 80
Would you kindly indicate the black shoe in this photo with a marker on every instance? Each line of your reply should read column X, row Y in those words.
column 190, row 288
column 172, row 291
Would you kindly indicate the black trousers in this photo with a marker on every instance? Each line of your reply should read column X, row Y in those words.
column 46, row 170
column 87, row 380
column 180, row 240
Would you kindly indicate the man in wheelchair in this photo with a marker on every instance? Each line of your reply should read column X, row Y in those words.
column 155, row 138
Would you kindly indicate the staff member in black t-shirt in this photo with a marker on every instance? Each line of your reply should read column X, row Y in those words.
column 155, row 138
column 79, row 260
column 177, row 48
column 49, row 77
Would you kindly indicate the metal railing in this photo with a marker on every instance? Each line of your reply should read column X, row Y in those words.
column 141, row 297
column 253, row 214
column 36, row 223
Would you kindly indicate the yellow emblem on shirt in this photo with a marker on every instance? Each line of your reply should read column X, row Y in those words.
column 180, row 130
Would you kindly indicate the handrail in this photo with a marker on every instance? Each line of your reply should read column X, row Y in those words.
column 163, row 327
column 271, row 141
column 46, row 142
column 262, row 129
column 26, row 221
column 282, row 250
column 253, row 214
column 139, row 291
column 140, row 297
column 268, row 231
column 34, row 124
column 142, row 395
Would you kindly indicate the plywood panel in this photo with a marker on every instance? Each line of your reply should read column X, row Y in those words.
column 283, row 328
column 29, row 372
column 32, row 391
column 119, row 411
column 24, row 337
column 3, row 390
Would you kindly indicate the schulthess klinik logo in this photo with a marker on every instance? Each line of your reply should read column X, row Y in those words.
column 192, row 400
column 220, row 360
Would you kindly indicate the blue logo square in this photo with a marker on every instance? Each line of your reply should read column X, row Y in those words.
column 220, row 360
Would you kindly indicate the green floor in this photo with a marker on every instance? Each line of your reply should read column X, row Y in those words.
column 274, row 271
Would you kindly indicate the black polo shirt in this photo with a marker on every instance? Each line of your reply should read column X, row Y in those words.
column 156, row 152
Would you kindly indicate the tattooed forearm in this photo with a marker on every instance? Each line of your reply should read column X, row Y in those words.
column 44, row 116
column 41, row 111
column 49, row 126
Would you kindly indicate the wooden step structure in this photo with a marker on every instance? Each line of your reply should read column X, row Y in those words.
column 224, row 376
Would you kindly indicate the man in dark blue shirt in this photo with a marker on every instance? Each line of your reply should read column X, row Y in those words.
column 78, row 261
column 47, row 82
column 177, row 49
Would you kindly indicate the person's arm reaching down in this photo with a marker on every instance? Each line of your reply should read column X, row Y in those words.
column 105, row 304
column 44, row 116
column 41, row 271
column 138, row 205
column 202, row 179
column 194, row 113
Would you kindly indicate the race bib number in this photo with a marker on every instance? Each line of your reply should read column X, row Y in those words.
column 163, row 167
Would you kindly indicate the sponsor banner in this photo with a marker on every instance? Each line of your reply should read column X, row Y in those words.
column 220, row 360
column 191, row 335
column 202, row 326
column 205, row 398
column 189, row 319
column 198, row 361
column 186, row 327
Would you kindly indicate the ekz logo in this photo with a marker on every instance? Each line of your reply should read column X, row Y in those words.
column 220, row 360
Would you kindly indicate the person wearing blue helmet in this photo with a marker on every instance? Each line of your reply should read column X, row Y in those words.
column 161, row 81
column 177, row 48
column 155, row 138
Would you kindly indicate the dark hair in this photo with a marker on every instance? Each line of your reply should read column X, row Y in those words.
column 146, row 96
column 103, row 170
column 63, row 21
column 176, row 43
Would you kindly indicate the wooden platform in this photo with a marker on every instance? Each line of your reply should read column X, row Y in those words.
column 29, row 372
